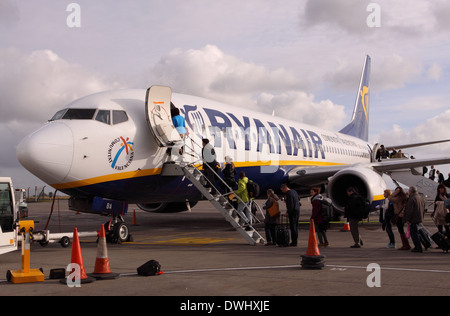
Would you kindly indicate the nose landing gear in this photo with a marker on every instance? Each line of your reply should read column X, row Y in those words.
column 117, row 231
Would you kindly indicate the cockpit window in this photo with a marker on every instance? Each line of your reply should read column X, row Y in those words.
column 104, row 116
column 119, row 117
column 79, row 114
column 58, row 115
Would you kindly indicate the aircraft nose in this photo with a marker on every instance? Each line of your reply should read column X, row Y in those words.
column 48, row 152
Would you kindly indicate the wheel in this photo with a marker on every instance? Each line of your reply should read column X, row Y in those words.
column 8, row 275
column 65, row 242
column 121, row 232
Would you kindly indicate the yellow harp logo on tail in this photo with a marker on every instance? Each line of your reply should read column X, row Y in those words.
column 365, row 100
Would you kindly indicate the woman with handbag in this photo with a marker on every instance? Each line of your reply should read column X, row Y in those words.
column 272, row 217
column 399, row 198
column 440, row 211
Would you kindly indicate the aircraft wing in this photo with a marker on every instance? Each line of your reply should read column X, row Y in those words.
column 397, row 164
column 416, row 144
column 315, row 175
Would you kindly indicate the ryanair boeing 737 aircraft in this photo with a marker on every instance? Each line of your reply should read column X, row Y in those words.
column 112, row 146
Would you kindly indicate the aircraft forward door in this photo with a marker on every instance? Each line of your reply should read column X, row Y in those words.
column 157, row 110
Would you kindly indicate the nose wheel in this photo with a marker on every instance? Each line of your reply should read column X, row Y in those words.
column 117, row 231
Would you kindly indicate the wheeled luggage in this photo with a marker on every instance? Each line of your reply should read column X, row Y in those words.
column 282, row 237
column 442, row 241
column 425, row 238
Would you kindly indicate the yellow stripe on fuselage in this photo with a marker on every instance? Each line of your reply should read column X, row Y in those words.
column 157, row 171
column 378, row 198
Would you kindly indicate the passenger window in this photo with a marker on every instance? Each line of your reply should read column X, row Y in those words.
column 104, row 116
column 79, row 114
column 119, row 117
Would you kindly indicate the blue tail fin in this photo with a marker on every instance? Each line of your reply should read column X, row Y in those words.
column 359, row 126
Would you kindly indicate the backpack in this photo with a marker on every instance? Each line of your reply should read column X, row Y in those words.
column 327, row 209
column 253, row 189
column 367, row 208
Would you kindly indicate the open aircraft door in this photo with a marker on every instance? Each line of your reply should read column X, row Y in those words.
column 157, row 110
column 8, row 234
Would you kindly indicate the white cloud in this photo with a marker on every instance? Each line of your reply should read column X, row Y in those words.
column 35, row 85
column 210, row 73
column 301, row 107
column 434, row 72
column 435, row 128
column 347, row 15
column 32, row 87
column 395, row 72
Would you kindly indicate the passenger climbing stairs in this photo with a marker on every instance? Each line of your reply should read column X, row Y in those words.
column 220, row 201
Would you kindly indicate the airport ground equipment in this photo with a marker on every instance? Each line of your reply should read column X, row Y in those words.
column 25, row 275
column 8, row 217
column 45, row 237
column 221, row 202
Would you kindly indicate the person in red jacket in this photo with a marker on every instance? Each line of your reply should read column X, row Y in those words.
column 317, row 215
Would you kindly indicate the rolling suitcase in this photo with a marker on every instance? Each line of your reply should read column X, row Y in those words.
column 425, row 238
column 282, row 236
column 442, row 241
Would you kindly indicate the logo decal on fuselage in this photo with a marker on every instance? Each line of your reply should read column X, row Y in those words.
column 120, row 153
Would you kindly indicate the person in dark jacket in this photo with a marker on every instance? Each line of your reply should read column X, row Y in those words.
column 293, row 212
column 317, row 215
column 271, row 222
column 210, row 168
column 415, row 207
column 354, row 209
column 229, row 173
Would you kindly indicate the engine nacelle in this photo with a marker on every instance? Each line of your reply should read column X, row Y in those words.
column 174, row 207
column 366, row 181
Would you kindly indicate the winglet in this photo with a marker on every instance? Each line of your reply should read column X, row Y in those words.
column 359, row 125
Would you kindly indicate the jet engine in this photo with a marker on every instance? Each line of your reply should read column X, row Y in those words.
column 366, row 181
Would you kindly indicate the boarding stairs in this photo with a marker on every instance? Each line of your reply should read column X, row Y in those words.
column 220, row 201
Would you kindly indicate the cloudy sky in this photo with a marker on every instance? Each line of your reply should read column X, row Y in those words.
column 301, row 58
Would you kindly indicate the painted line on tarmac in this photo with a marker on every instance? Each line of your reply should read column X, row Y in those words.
column 289, row 267
column 391, row 269
column 280, row 267
column 221, row 269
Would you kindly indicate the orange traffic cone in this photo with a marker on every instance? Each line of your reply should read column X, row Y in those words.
column 134, row 222
column 346, row 227
column 102, row 270
column 313, row 248
column 77, row 259
column 312, row 259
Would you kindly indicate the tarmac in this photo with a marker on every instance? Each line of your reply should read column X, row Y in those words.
column 202, row 256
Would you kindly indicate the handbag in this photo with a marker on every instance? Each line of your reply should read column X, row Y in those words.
column 274, row 210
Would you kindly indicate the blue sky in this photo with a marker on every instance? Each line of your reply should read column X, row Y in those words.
column 300, row 58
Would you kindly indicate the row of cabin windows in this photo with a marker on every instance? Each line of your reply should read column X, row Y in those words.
column 103, row 116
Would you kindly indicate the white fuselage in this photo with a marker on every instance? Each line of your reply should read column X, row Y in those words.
column 96, row 156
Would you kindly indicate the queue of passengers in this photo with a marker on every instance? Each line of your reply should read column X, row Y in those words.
column 405, row 211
